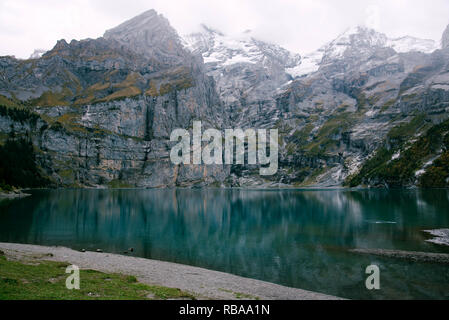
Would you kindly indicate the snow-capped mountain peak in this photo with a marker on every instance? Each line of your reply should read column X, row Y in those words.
column 359, row 41
column 361, row 36
column 244, row 48
column 224, row 50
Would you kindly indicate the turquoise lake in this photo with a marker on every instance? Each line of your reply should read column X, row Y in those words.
column 296, row 238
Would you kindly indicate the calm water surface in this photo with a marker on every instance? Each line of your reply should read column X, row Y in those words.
column 294, row 238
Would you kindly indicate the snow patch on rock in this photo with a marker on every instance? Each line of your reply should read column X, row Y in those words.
column 412, row 44
column 441, row 236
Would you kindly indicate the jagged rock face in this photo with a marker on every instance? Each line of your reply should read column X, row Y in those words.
column 108, row 106
column 67, row 72
column 124, row 142
column 346, row 98
column 360, row 92
column 248, row 73
column 150, row 35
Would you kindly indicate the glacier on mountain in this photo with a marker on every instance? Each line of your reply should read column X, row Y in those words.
column 224, row 50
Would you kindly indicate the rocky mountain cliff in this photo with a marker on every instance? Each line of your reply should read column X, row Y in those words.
column 335, row 107
column 365, row 99
column 362, row 110
column 106, row 107
column 248, row 73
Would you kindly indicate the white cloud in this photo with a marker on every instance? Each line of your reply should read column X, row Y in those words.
column 299, row 25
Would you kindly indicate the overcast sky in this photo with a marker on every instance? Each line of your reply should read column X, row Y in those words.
column 299, row 25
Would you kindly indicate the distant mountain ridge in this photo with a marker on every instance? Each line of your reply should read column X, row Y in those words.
column 360, row 37
column 223, row 50
column 364, row 109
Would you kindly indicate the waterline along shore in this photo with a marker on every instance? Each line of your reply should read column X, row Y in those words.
column 200, row 283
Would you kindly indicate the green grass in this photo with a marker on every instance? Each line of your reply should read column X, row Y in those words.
column 45, row 280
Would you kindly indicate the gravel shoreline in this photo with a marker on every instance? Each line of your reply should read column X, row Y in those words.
column 204, row 284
